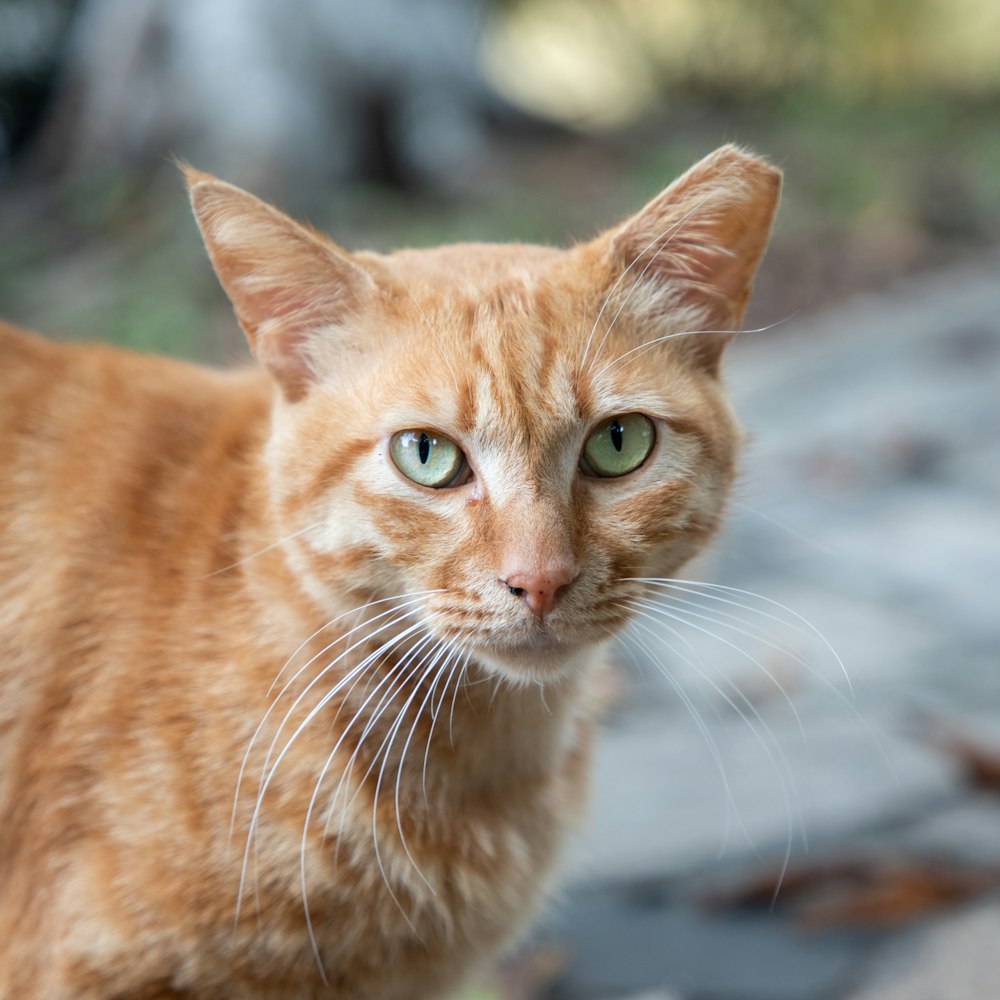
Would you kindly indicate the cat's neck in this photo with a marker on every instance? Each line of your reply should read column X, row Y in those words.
column 511, row 733
column 457, row 730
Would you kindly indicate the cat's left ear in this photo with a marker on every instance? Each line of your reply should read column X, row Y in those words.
column 691, row 254
column 290, row 287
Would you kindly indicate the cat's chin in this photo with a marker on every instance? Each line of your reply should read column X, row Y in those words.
column 541, row 659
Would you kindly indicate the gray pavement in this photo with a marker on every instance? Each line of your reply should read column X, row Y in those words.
column 870, row 507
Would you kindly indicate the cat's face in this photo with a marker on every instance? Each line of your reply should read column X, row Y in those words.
column 515, row 433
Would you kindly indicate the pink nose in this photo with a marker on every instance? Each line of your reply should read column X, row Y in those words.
column 540, row 591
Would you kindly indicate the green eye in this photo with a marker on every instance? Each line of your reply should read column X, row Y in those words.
column 618, row 445
column 427, row 458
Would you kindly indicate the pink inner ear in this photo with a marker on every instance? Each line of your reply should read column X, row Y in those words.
column 279, row 302
column 719, row 266
column 714, row 252
column 684, row 271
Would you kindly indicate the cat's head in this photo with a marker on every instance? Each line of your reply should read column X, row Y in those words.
column 512, row 432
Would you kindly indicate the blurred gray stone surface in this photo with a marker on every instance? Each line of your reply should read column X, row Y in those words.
column 951, row 960
column 870, row 507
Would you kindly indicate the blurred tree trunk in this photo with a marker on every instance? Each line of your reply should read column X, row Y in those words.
column 33, row 38
column 257, row 91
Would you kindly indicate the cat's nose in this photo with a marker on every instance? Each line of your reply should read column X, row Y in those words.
column 540, row 590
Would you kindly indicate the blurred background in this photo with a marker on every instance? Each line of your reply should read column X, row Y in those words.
column 831, row 724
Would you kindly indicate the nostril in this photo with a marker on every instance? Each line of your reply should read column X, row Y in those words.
column 540, row 591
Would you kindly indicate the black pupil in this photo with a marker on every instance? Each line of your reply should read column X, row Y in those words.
column 424, row 448
column 617, row 434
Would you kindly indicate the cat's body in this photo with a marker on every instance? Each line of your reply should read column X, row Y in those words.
column 210, row 587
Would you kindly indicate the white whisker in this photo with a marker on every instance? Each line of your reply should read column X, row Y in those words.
column 450, row 653
column 400, row 616
column 454, row 698
column 775, row 756
column 298, row 673
column 609, row 366
column 432, row 668
column 745, row 628
column 397, row 679
column 459, row 665
column 383, row 750
column 805, row 629
column 797, row 535
column 416, row 669
column 653, row 606
column 414, row 596
column 268, row 777
column 260, row 552
column 732, row 807
column 810, row 629
column 312, row 801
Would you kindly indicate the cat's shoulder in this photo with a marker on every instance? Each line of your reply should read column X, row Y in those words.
column 76, row 388
column 20, row 346
column 24, row 353
column 30, row 366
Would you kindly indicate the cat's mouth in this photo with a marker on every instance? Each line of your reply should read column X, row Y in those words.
column 541, row 652
column 538, row 641
column 540, row 648
column 520, row 643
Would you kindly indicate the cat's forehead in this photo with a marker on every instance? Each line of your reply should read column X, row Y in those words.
column 474, row 267
column 501, row 338
column 492, row 321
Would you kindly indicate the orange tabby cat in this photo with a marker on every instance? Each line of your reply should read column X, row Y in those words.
column 297, row 664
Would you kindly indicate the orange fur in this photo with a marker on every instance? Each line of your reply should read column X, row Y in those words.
column 173, row 541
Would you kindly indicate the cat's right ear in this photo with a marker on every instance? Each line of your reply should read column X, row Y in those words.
column 289, row 286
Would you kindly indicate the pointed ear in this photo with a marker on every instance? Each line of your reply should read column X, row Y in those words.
column 693, row 250
column 288, row 285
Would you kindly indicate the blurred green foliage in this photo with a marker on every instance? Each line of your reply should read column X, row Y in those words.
column 738, row 51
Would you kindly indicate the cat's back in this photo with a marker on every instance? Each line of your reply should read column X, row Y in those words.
column 55, row 406
column 27, row 363
column 53, row 393
column 109, row 460
column 122, row 477
column 33, row 367
column 77, row 419
column 104, row 451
